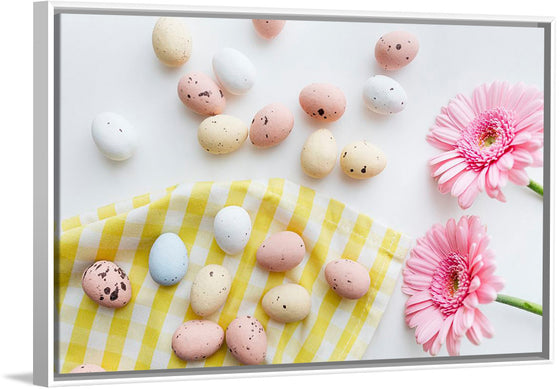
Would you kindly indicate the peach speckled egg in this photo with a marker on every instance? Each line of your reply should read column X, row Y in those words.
column 88, row 368
column 271, row 125
column 348, row 279
column 201, row 94
column 281, row 251
column 268, row 29
column 197, row 339
column 324, row 102
column 246, row 340
column 396, row 49
column 107, row 284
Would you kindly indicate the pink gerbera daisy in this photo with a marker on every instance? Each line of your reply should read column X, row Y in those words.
column 449, row 274
column 487, row 140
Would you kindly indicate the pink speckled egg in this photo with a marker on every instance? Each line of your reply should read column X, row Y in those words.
column 201, row 94
column 107, row 284
column 88, row 368
column 197, row 339
column 268, row 29
column 396, row 49
column 281, row 251
column 271, row 125
column 246, row 340
column 324, row 102
column 348, row 279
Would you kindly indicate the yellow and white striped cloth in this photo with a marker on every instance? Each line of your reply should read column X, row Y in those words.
column 138, row 336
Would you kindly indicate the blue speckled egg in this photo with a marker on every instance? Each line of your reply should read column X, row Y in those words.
column 168, row 259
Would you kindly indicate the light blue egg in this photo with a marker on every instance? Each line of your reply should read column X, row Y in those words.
column 168, row 259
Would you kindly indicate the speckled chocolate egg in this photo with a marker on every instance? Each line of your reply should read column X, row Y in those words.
column 348, row 279
column 287, row 303
column 232, row 229
column 362, row 160
column 114, row 136
column 267, row 28
column 246, row 340
column 323, row 102
column 171, row 41
column 384, row 95
column 319, row 153
column 107, row 284
column 396, row 49
column 195, row 340
column 87, row 368
column 210, row 289
column 222, row 134
column 168, row 260
column 235, row 72
column 281, row 251
column 271, row 125
column 201, row 94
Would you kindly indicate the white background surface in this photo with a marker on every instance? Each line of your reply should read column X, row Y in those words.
column 107, row 64
column 16, row 161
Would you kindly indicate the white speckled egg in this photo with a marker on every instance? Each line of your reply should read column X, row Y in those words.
column 195, row 340
column 232, row 229
column 319, row 154
column 87, row 368
column 235, row 72
column 362, row 160
column 384, row 95
column 168, row 259
column 348, row 279
column 171, row 41
column 287, row 303
column 107, row 284
column 114, row 136
column 210, row 289
column 246, row 340
column 222, row 134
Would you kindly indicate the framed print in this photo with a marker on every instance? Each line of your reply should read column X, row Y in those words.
column 225, row 191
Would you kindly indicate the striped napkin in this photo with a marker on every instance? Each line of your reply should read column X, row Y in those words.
column 138, row 336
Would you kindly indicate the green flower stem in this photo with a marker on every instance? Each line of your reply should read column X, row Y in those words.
column 519, row 303
column 536, row 187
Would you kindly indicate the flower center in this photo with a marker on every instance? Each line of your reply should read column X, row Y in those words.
column 486, row 138
column 450, row 283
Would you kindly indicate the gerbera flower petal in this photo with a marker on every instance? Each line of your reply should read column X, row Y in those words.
column 519, row 177
column 449, row 274
column 484, row 138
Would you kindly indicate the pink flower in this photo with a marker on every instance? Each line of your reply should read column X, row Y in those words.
column 487, row 140
column 449, row 274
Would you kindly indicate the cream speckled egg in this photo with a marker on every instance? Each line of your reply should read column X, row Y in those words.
column 396, row 49
column 348, row 279
column 87, row 368
column 107, row 284
column 271, row 125
column 171, row 41
column 222, row 134
column 323, row 102
column 235, row 72
column 287, row 303
column 114, row 136
column 384, row 95
column 195, row 340
column 201, row 94
column 267, row 28
column 281, row 251
column 319, row 154
column 362, row 160
column 246, row 340
column 232, row 229
column 210, row 289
